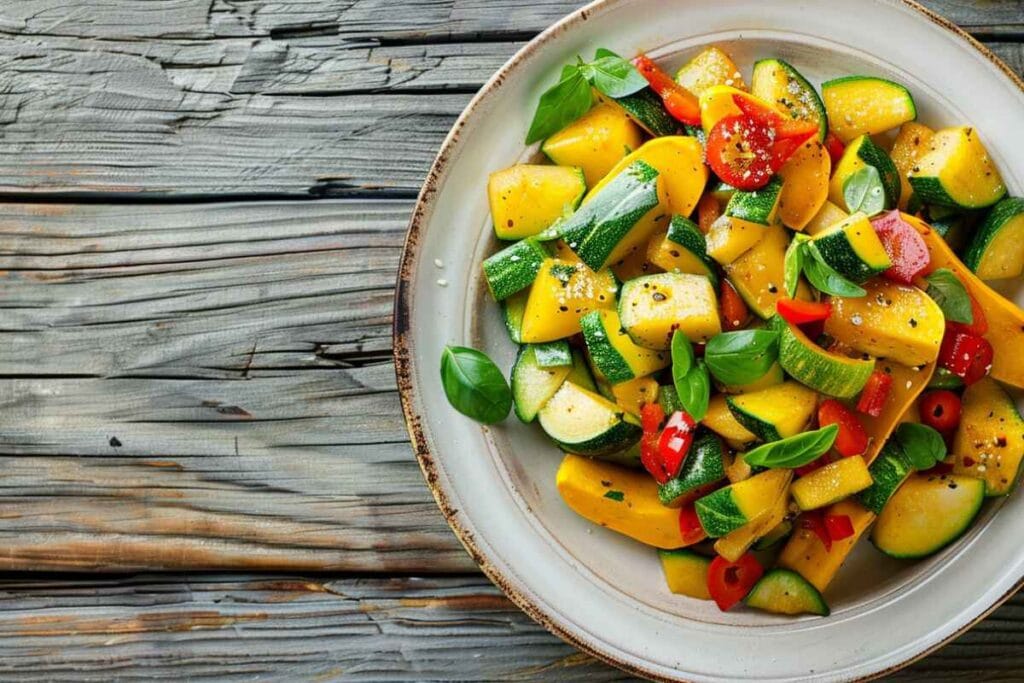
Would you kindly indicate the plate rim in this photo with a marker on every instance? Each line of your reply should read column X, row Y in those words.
column 402, row 350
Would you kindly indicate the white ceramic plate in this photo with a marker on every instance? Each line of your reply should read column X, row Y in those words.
column 601, row 591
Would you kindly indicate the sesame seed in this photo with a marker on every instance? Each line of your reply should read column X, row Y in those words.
column 442, row 282
column 439, row 263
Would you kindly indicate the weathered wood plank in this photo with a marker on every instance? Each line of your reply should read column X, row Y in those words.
column 221, row 627
column 294, row 97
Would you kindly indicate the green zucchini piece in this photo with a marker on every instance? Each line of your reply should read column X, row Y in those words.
column 686, row 572
column 722, row 191
column 512, row 310
column 944, row 379
column 703, row 465
column 957, row 171
column 825, row 372
column 514, row 268
column 852, row 248
column 668, row 398
column 533, row 384
column 687, row 235
column 888, row 471
column 757, row 206
column 552, row 354
column 613, row 353
column 774, row 413
column 779, row 533
column 865, row 105
column 997, row 250
column 647, row 109
column 783, row 591
column 780, row 83
column 583, row 422
column 858, row 154
column 580, row 374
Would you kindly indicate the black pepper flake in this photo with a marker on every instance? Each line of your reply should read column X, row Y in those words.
column 563, row 309
column 913, row 323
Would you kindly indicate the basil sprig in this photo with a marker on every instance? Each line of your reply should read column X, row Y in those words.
column 743, row 356
column 794, row 451
column 951, row 296
column 825, row 278
column 863, row 191
column 571, row 97
column 793, row 264
column 474, row 385
column 921, row 445
column 690, row 378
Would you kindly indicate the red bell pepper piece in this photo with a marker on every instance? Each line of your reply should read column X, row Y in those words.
column 851, row 439
column 978, row 324
column 784, row 126
column 734, row 310
column 814, row 521
column 940, row 410
column 651, row 417
column 689, row 525
column 784, row 148
column 835, row 147
column 739, row 151
column 708, row 211
column 968, row 356
column 800, row 312
column 673, row 446
column 875, row 393
column 680, row 102
column 907, row 250
column 729, row 582
column 838, row 527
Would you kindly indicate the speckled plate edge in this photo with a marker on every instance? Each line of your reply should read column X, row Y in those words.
column 403, row 352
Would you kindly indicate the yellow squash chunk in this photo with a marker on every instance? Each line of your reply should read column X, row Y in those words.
column 717, row 102
column 686, row 573
column 827, row 216
column 592, row 489
column 913, row 140
column 654, row 307
column 709, row 68
column 778, row 412
column 831, row 483
column 806, row 183
column 563, row 292
column 805, row 554
column 893, row 321
column 526, row 199
column 865, row 106
column 594, row 142
column 721, row 421
column 759, row 274
column 730, row 238
column 619, row 348
column 907, row 385
column 957, row 171
column 635, row 394
column 761, row 492
column 1005, row 319
column 735, row 543
column 667, row 255
column 989, row 444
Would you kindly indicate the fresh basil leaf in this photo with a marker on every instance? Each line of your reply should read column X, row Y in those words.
column 614, row 76
column 560, row 105
column 792, row 266
column 694, row 391
column 474, row 385
column 794, row 451
column 825, row 278
column 863, row 191
column 682, row 355
column 743, row 356
column 951, row 296
column 922, row 446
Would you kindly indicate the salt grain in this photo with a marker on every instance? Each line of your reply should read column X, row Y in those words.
column 442, row 282
column 439, row 263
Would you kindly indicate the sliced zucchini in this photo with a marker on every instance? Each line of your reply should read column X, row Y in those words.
column 514, row 268
column 534, row 384
column 776, row 412
column 864, row 105
column 888, row 471
column 686, row 572
column 579, row 373
column 805, row 554
column 852, row 248
column 927, row 513
column 759, row 275
column 913, row 140
column 709, row 68
column 779, row 533
column 668, row 399
column 526, row 199
column 829, row 215
column 561, row 294
column 783, row 591
column 512, row 310
column 957, row 171
column 894, row 321
column 858, row 154
column 744, row 222
column 620, row 499
column 831, row 483
column 722, row 192
column 652, row 307
column 809, row 364
column 647, row 109
column 553, row 354
column 989, row 444
column 720, row 420
column 703, row 465
column 595, row 142
column 759, row 207
column 613, row 353
column 731, row 507
column 583, row 422
column 734, row 544
column 778, row 82
column 997, row 250
column 682, row 249
column 805, row 185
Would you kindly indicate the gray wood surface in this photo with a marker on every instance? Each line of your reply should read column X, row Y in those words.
column 204, row 381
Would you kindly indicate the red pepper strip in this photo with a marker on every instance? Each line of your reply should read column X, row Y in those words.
column 968, row 356
column 651, row 417
column 852, row 439
column 784, row 126
column 729, row 582
column 940, row 410
column 673, row 446
column 689, row 525
column 838, row 527
column 734, row 310
column 784, row 148
column 978, row 324
column 814, row 521
column 835, row 148
column 907, row 250
column 875, row 393
column 799, row 312
column 679, row 101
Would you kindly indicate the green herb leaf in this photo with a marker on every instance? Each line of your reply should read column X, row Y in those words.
column 951, row 296
column 560, row 105
column 794, row 451
column 474, row 385
column 864, row 191
column 615, row 495
column 825, row 278
column 741, row 357
column 612, row 75
column 793, row 265
column 694, row 392
column 682, row 355
column 922, row 446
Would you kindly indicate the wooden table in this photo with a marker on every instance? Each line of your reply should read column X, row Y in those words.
column 204, row 203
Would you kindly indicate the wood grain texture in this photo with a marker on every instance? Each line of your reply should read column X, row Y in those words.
column 186, row 97
column 217, row 627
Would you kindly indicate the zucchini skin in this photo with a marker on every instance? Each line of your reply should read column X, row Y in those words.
column 817, row 368
column 646, row 108
column 514, row 268
column 805, row 95
column 889, row 470
column 998, row 217
column 704, row 465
